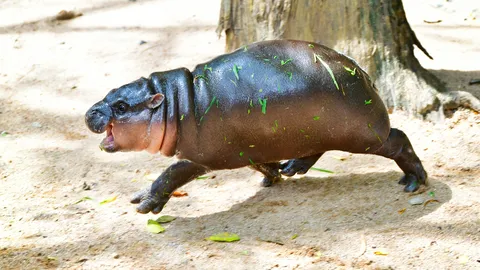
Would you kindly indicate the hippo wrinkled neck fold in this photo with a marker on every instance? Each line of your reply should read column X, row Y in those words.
column 175, row 85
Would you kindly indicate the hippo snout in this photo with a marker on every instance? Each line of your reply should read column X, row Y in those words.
column 98, row 117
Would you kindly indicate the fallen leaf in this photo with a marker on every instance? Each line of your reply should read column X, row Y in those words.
column 109, row 200
column 294, row 236
column 381, row 252
column 202, row 177
column 401, row 211
column 82, row 200
column 224, row 237
column 179, row 193
column 363, row 245
column 429, row 201
column 67, row 15
column 320, row 170
column 165, row 219
column 154, row 227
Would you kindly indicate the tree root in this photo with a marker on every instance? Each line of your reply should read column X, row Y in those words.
column 455, row 99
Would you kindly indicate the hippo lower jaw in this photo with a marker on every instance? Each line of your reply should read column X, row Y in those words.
column 108, row 143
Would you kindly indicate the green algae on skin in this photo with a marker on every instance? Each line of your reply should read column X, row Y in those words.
column 234, row 83
column 251, row 161
column 182, row 116
column 327, row 67
column 241, row 154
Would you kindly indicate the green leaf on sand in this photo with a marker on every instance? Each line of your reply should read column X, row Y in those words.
column 320, row 170
column 224, row 237
column 109, row 200
column 204, row 177
column 82, row 200
column 165, row 219
column 154, row 227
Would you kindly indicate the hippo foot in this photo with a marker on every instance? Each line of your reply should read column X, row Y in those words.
column 411, row 182
column 294, row 166
column 148, row 202
column 268, row 182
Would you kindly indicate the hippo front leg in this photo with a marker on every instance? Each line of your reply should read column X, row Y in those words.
column 155, row 197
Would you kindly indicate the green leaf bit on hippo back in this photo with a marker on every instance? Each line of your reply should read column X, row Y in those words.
column 208, row 108
column 316, row 118
column 198, row 77
column 368, row 102
column 327, row 67
column 154, row 227
column 311, row 46
column 290, row 75
column 284, row 62
column 352, row 71
column 374, row 132
column 263, row 103
column 224, row 237
column 235, row 71
column 275, row 126
column 206, row 67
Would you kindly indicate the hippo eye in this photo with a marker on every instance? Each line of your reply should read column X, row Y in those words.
column 121, row 107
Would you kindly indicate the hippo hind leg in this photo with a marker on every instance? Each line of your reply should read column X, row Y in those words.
column 298, row 165
column 399, row 148
column 270, row 171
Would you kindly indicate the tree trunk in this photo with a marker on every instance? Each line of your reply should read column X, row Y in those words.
column 374, row 32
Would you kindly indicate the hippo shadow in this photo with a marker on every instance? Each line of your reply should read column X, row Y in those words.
column 314, row 205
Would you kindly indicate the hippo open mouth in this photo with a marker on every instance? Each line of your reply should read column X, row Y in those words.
column 108, row 143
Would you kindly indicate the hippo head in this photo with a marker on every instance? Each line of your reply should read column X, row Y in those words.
column 129, row 115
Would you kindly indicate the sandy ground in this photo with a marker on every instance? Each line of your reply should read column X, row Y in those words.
column 52, row 72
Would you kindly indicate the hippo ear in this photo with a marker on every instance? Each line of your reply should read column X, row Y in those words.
column 155, row 101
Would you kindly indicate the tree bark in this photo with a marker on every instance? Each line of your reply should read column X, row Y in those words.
column 374, row 32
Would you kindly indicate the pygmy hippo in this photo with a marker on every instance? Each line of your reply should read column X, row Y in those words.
column 264, row 103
